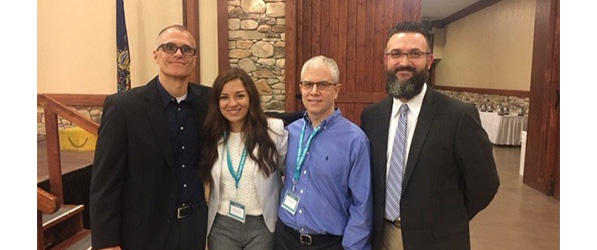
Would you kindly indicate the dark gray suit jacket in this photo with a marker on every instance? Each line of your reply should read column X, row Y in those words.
column 450, row 175
column 133, row 187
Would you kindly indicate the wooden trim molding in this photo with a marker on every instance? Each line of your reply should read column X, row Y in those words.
column 223, row 36
column 505, row 92
column 190, row 16
column 79, row 99
column 482, row 4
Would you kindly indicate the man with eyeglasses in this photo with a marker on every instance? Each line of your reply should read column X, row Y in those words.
column 432, row 163
column 326, row 199
column 145, row 190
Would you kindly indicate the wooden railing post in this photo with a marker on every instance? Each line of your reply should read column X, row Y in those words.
column 53, row 150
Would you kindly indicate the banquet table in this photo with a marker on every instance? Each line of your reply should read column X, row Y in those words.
column 503, row 129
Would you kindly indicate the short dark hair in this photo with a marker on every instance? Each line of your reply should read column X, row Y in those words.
column 411, row 27
column 175, row 27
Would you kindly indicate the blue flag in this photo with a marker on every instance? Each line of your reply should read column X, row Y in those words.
column 122, row 54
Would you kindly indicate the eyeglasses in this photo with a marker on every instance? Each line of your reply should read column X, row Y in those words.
column 416, row 54
column 172, row 48
column 320, row 85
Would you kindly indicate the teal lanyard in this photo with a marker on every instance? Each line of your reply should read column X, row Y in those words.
column 241, row 164
column 302, row 152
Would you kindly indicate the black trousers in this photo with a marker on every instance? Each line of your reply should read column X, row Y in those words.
column 286, row 238
column 189, row 233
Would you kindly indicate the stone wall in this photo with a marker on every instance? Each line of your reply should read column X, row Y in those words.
column 257, row 45
column 492, row 102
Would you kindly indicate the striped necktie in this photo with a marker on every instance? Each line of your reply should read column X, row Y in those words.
column 394, row 182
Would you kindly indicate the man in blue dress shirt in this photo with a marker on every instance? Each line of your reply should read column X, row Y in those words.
column 326, row 202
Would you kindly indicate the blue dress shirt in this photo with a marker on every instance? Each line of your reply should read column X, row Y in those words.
column 334, row 184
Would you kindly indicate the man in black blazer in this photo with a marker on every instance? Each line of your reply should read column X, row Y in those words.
column 450, row 173
column 145, row 190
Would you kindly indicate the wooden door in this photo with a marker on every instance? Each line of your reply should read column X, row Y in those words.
column 354, row 34
column 542, row 159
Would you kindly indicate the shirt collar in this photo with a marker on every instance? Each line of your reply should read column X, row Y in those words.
column 328, row 121
column 166, row 97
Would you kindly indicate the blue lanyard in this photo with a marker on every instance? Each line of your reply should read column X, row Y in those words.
column 241, row 164
column 302, row 153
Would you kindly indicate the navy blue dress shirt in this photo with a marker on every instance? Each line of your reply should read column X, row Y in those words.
column 184, row 136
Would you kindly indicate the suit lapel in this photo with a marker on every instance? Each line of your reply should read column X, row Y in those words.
column 157, row 120
column 379, row 136
column 428, row 110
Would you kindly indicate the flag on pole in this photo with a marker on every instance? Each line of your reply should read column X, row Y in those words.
column 122, row 54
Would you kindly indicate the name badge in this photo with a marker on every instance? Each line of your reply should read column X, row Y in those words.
column 291, row 201
column 237, row 211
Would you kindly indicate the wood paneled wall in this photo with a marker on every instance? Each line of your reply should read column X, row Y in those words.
column 354, row 34
column 542, row 159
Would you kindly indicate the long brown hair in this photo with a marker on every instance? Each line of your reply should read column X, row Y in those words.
column 254, row 129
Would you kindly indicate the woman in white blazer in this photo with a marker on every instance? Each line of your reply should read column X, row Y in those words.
column 240, row 162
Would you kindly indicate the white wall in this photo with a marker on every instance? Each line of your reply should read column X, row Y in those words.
column 490, row 49
column 76, row 42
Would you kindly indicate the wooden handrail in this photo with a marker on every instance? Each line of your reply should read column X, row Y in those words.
column 53, row 109
column 65, row 112
column 79, row 99
column 46, row 202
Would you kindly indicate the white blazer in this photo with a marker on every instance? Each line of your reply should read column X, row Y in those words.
column 268, row 189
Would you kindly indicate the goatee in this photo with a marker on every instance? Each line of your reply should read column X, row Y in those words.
column 405, row 89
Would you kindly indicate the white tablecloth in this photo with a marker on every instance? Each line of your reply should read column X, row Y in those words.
column 503, row 129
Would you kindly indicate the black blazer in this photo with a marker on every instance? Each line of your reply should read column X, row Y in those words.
column 450, row 175
column 133, row 186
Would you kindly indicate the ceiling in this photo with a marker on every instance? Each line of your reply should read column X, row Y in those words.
column 440, row 9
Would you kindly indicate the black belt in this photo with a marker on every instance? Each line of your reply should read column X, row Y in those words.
column 186, row 210
column 312, row 239
column 396, row 223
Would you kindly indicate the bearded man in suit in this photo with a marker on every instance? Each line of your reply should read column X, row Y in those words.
column 448, row 173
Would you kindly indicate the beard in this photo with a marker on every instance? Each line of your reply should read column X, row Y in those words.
column 406, row 89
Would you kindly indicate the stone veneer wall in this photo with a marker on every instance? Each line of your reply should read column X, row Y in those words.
column 257, row 45
column 513, row 103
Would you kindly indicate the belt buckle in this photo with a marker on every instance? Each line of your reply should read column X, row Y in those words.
column 306, row 239
column 178, row 210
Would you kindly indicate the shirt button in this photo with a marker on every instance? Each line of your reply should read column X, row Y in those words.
column 181, row 127
column 184, row 185
column 301, row 191
column 304, row 171
column 182, row 147
column 183, row 166
column 178, row 109
column 300, row 211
